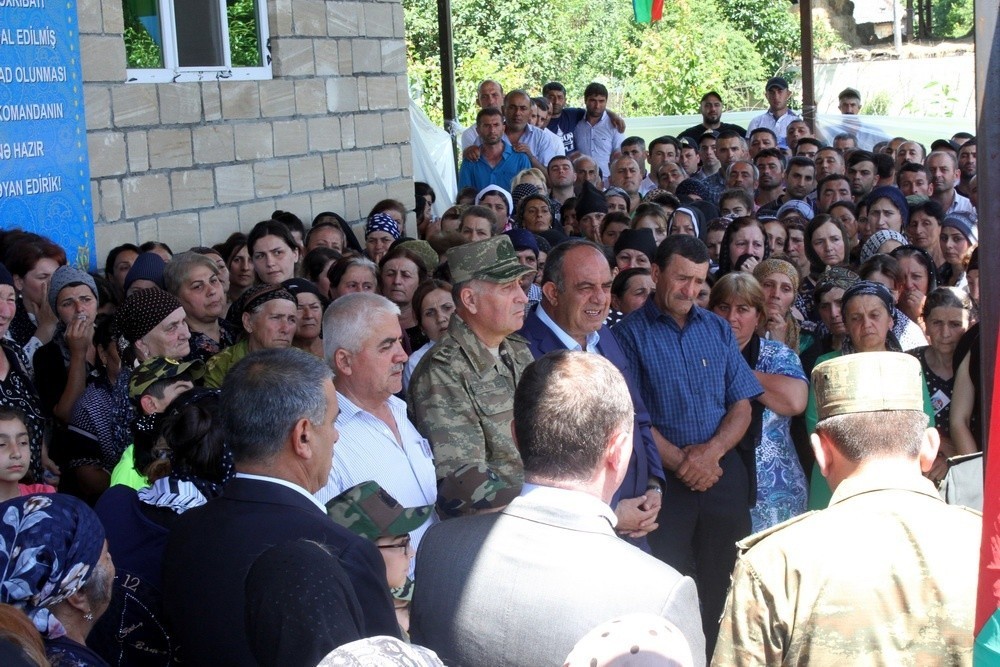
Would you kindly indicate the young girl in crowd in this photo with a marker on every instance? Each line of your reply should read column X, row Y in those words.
column 15, row 455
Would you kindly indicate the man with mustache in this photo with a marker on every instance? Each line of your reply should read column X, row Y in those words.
column 362, row 343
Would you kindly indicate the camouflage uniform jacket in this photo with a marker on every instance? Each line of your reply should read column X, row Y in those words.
column 462, row 400
column 885, row 576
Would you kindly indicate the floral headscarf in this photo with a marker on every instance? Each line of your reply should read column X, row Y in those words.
column 49, row 546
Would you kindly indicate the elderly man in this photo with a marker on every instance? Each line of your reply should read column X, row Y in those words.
column 576, row 298
column 697, row 387
column 278, row 409
column 462, row 392
column 520, row 587
column 626, row 174
column 362, row 343
column 888, row 571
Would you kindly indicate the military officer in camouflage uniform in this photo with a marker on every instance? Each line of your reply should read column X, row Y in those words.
column 461, row 394
column 887, row 573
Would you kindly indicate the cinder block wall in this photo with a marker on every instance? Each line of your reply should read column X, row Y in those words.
column 190, row 163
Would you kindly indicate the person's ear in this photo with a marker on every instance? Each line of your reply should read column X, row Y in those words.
column 342, row 362
column 302, row 439
column 467, row 297
column 148, row 404
column 822, row 449
column 246, row 323
column 620, row 449
column 929, row 446
column 551, row 293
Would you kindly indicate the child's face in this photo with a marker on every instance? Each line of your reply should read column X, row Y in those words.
column 396, row 553
column 15, row 454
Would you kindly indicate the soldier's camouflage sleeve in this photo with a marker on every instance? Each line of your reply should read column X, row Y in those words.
column 752, row 632
column 444, row 414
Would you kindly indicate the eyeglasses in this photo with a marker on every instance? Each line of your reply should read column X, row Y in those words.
column 404, row 545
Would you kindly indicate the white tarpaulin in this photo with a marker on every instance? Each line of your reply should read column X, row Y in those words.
column 433, row 161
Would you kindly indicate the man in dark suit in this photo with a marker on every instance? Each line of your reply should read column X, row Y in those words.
column 576, row 297
column 278, row 409
column 522, row 586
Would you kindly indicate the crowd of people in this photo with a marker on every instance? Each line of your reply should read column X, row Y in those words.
column 582, row 412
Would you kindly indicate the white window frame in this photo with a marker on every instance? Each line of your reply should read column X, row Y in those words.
column 171, row 72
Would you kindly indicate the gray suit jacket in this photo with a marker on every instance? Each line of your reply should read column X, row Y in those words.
column 522, row 586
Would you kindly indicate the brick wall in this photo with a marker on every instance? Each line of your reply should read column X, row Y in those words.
column 190, row 163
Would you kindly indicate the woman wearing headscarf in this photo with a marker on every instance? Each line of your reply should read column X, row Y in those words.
column 380, row 233
column 151, row 323
column 56, row 568
column 16, row 388
column 268, row 316
column 887, row 209
column 190, row 463
column 869, row 315
column 780, row 281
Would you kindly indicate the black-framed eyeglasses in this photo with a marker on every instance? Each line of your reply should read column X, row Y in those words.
column 404, row 545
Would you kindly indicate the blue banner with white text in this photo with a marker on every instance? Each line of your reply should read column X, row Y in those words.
column 44, row 173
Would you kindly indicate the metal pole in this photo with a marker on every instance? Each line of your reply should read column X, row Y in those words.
column 988, row 181
column 450, row 110
column 988, row 138
column 808, row 85
column 897, row 36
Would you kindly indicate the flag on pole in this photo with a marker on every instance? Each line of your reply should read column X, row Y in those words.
column 647, row 11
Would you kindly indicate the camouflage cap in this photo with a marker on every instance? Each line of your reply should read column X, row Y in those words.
column 868, row 382
column 424, row 251
column 473, row 488
column 492, row 260
column 155, row 369
column 369, row 511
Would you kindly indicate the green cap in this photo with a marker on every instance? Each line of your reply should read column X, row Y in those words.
column 492, row 260
column 369, row 511
column 856, row 383
column 161, row 368
column 473, row 488
column 424, row 251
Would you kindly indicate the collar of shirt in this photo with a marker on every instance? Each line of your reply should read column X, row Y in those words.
column 478, row 354
column 593, row 338
column 863, row 482
column 286, row 483
column 567, row 499
column 653, row 312
column 349, row 410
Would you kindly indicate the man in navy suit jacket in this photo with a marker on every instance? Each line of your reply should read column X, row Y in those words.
column 278, row 409
column 576, row 297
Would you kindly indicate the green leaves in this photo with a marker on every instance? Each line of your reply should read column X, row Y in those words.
column 731, row 46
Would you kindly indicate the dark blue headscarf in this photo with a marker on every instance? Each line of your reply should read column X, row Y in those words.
column 49, row 546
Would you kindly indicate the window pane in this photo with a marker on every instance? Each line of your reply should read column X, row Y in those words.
column 143, row 40
column 199, row 33
column 244, row 41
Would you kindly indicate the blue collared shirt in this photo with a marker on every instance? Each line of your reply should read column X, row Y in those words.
column 599, row 141
column 593, row 338
column 479, row 174
column 688, row 377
